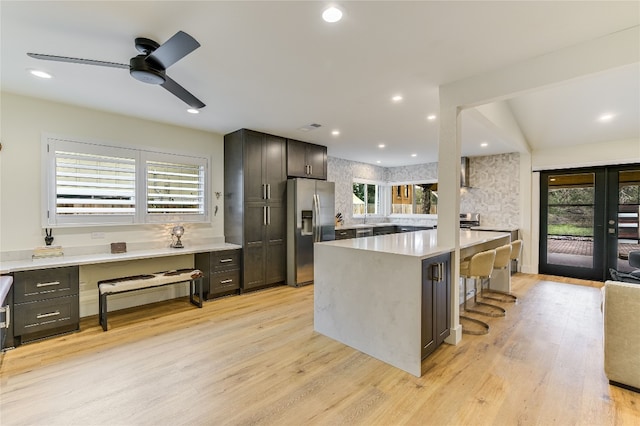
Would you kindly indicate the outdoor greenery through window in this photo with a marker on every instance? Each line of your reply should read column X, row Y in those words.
column 366, row 198
column 95, row 184
column 571, row 205
column 414, row 198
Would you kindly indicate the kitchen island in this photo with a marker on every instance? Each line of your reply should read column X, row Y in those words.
column 368, row 292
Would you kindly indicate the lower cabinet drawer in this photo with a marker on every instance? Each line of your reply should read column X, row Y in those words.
column 45, row 315
column 224, row 281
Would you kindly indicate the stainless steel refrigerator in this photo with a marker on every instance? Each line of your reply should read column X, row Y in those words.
column 310, row 219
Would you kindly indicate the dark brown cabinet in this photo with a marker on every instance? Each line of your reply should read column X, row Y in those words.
column 306, row 160
column 221, row 271
column 436, row 302
column 345, row 234
column 45, row 303
column 255, row 179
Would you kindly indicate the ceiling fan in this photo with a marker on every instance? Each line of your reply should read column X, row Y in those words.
column 150, row 65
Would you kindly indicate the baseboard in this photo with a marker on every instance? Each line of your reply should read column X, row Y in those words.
column 623, row 386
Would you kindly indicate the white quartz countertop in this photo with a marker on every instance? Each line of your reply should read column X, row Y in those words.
column 494, row 228
column 87, row 259
column 421, row 244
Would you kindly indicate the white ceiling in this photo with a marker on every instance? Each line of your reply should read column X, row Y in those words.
column 276, row 66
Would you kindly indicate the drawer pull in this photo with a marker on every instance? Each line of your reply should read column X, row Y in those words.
column 50, row 314
column 48, row 284
column 226, row 260
column 226, row 281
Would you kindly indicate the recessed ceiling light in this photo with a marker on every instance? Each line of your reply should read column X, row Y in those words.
column 484, row 144
column 193, row 111
column 335, row 132
column 378, row 161
column 606, row 117
column 40, row 74
column 431, row 117
column 396, row 98
column 381, row 145
column 332, row 14
column 414, row 155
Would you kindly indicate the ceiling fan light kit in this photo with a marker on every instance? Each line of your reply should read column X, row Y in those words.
column 150, row 66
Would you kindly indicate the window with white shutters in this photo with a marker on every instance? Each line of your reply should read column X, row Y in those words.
column 95, row 184
column 175, row 188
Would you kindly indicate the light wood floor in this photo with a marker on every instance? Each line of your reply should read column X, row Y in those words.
column 255, row 359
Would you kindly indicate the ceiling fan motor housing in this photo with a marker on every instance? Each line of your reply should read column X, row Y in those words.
column 143, row 70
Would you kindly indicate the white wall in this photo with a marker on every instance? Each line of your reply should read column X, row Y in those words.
column 587, row 155
column 22, row 124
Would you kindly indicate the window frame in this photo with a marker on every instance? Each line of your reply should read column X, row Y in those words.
column 382, row 189
column 52, row 143
column 410, row 215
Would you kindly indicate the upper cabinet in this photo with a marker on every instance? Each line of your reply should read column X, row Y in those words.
column 306, row 160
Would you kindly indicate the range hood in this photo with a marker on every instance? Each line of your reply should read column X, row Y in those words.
column 464, row 172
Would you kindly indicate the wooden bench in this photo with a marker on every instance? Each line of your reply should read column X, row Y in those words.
column 140, row 282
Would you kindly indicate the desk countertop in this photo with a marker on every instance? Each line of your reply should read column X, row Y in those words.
column 87, row 259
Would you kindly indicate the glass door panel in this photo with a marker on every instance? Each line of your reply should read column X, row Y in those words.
column 624, row 201
column 571, row 231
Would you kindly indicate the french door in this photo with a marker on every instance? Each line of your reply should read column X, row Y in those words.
column 589, row 220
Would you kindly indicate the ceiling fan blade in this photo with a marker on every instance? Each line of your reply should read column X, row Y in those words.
column 77, row 60
column 174, row 49
column 182, row 93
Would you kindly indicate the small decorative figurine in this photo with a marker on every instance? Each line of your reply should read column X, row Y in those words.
column 49, row 238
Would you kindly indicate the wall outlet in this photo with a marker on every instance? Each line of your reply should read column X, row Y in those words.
column 97, row 235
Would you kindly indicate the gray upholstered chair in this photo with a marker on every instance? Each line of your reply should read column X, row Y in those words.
column 620, row 308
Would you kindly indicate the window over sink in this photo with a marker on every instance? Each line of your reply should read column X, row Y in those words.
column 367, row 198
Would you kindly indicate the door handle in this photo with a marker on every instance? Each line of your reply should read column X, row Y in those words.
column 268, row 215
column 268, row 191
column 264, row 215
column 264, row 191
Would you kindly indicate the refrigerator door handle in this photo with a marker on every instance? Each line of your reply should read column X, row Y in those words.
column 316, row 204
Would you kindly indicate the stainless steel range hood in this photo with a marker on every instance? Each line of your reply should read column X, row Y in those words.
column 464, row 172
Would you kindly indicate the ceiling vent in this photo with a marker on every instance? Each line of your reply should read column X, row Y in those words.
column 464, row 172
column 309, row 127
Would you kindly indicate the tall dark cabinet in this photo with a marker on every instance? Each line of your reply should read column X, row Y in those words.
column 436, row 298
column 255, row 184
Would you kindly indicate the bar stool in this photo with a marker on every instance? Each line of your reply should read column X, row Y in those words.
column 516, row 250
column 501, row 262
column 479, row 266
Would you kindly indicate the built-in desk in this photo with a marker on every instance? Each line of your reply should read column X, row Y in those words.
column 368, row 292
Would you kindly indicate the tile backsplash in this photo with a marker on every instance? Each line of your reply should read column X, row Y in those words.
column 494, row 191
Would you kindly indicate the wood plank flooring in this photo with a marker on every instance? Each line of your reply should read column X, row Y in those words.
column 255, row 360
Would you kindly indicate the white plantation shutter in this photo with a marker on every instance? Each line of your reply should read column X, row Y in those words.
column 96, row 184
column 174, row 188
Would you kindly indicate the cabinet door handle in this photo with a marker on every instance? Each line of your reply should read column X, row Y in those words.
column 268, row 215
column 310, row 169
column 226, row 281
column 48, row 284
column 264, row 191
column 264, row 215
column 50, row 314
column 268, row 191
column 226, row 260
